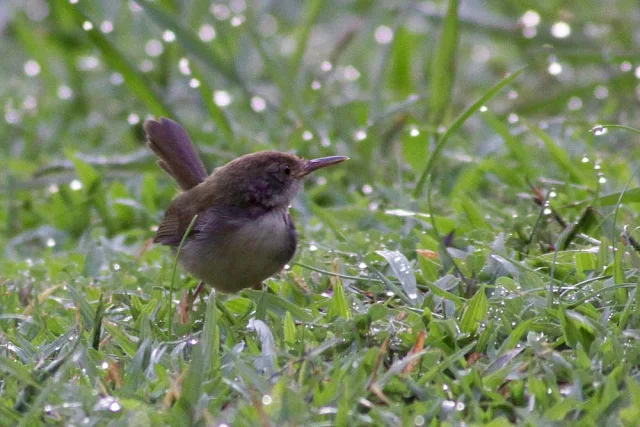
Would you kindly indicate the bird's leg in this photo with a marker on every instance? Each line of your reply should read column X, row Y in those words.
column 197, row 291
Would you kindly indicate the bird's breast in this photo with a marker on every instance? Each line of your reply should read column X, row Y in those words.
column 244, row 256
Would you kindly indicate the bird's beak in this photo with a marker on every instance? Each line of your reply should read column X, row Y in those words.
column 315, row 164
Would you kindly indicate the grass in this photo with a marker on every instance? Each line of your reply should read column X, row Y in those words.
column 475, row 262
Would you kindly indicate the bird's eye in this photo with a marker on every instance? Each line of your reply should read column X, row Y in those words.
column 287, row 170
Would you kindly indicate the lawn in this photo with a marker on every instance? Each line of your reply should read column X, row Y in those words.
column 475, row 262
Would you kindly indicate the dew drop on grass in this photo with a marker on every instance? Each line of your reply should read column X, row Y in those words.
column 316, row 85
column 31, row 68
column 169, row 36
column 133, row 119
column 87, row 26
column 106, row 27
column 207, row 33
column 554, row 68
column 306, row 135
column 51, row 242
column 326, row 66
column 599, row 130
column 267, row 400
column 258, row 104
column 367, row 189
column 183, row 66
column 360, row 135
column 222, row 98
column 64, row 92
column 414, row 131
column 194, row 83
column 484, row 109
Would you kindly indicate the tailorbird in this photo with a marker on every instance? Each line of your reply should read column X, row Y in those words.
column 243, row 233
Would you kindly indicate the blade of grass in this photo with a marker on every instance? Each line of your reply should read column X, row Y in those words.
column 558, row 155
column 443, row 66
column 173, row 274
column 459, row 122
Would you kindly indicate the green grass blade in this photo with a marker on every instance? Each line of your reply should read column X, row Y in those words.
column 442, row 71
column 558, row 155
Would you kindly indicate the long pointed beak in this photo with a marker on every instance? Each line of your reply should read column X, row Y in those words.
column 315, row 164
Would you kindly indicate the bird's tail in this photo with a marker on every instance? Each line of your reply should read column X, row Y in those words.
column 177, row 156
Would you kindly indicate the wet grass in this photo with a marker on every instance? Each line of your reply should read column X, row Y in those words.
column 475, row 262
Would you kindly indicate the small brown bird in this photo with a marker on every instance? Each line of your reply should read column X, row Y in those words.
column 243, row 233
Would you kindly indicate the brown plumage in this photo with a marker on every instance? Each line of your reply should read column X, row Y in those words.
column 243, row 233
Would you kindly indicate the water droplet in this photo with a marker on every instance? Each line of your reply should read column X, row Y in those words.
column 351, row 73
column 194, row 83
column 602, row 180
column 87, row 26
column 258, row 104
column 222, row 98
column 547, row 211
column 220, row 11
column 560, row 30
column 115, row 406
column 313, row 248
column 30, row 103
column 116, row 79
column 183, row 66
column 512, row 94
column 106, row 27
column 207, row 33
column 483, row 109
column 414, row 131
column 601, row 92
column 53, row 188
column 316, row 85
column 554, row 68
column 530, row 18
column 326, row 66
column 116, row 266
column 360, row 135
column 574, row 103
column 104, row 365
column 383, row 34
column 153, row 47
column 64, row 92
column 585, row 159
column 460, row 406
column 168, row 36
column 236, row 21
column 50, row 242
column 31, row 68
column 75, row 185
column 625, row 66
column 513, row 118
column 367, row 189
column 133, row 119
column 599, row 130
column 307, row 136
column 362, row 266
column 266, row 400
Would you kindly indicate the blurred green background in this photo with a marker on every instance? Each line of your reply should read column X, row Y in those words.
column 475, row 132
